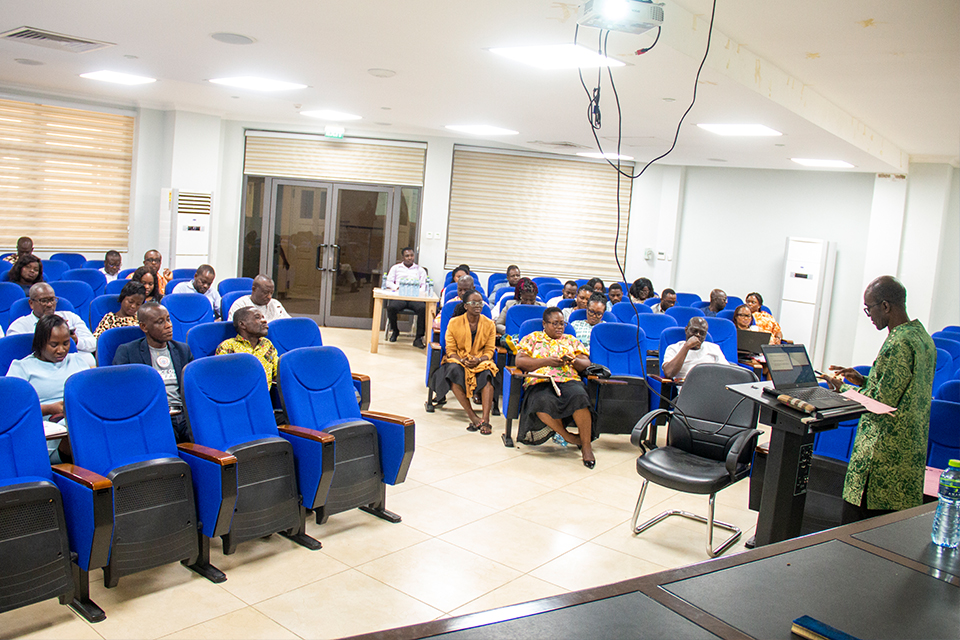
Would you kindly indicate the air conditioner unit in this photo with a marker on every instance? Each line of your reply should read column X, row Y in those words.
column 630, row 16
column 185, row 228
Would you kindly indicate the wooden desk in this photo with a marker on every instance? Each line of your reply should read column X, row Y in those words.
column 379, row 295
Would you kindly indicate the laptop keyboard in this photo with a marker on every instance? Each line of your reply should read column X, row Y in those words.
column 812, row 393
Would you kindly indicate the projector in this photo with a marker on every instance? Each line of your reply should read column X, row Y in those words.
column 631, row 16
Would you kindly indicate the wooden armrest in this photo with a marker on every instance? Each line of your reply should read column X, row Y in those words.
column 515, row 372
column 310, row 434
column 763, row 448
column 501, row 350
column 435, row 346
column 661, row 379
column 360, row 377
column 388, row 417
column 208, row 453
column 606, row 380
column 87, row 478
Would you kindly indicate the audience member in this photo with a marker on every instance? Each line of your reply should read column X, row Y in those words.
column 615, row 292
column 569, row 291
column 597, row 285
column 468, row 368
column 459, row 271
column 152, row 260
column 43, row 302
column 131, row 297
column 406, row 269
column 202, row 283
column 148, row 278
column 596, row 307
column 261, row 298
column 718, row 301
column 583, row 297
column 743, row 318
column 524, row 293
column 168, row 357
column 24, row 248
column 640, row 290
column 668, row 298
column 112, row 261
column 26, row 272
column 555, row 397
column 682, row 356
column 765, row 321
column 251, row 338
column 513, row 274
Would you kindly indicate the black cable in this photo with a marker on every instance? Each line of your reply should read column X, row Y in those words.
column 640, row 52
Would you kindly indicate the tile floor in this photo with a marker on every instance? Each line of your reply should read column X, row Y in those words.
column 483, row 526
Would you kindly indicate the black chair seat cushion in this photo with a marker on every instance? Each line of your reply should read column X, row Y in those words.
column 676, row 469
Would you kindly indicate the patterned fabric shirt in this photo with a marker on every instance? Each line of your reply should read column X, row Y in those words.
column 12, row 259
column 539, row 345
column 890, row 451
column 767, row 324
column 112, row 320
column 265, row 352
column 583, row 330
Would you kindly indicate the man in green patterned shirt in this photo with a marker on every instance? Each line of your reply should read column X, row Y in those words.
column 886, row 467
column 251, row 338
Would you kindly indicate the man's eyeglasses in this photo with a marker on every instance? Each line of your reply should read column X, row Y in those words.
column 867, row 307
column 45, row 301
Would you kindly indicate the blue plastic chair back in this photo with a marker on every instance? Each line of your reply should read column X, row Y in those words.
column 724, row 334
column 542, row 280
column 187, row 310
column 651, row 301
column 92, row 277
column 683, row 314
column 687, row 299
column 184, row 274
column 581, row 314
column 75, row 260
column 766, row 309
column 226, row 301
column 173, row 284
column 582, row 281
column 837, row 443
column 614, row 345
column 23, row 449
column 93, row 264
column 943, row 441
column 733, row 302
column 449, row 291
column 288, row 334
column 495, row 279
column 566, row 303
column 106, row 434
column 703, row 304
column 203, row 339
column 13, row 348
column 111, row 339
column 125, row 274
column 653, row 324
column 114, row 287
column 626, row 312
column 726, row 314
column 952, row 328
column 54, row 269
column 671, row 335
column 548, row 291
column 22, row 308
column 317, row 387
column 952, row 347
column 4, row 268
column 518, row 313
column 227, row 285
column 949, row 391
column 943, row 371
column 101, row 306
column 536, row 324
column 9, row 293
column 506, row 291
column 80, row 294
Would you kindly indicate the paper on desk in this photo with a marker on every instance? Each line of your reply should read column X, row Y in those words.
column 871, row 405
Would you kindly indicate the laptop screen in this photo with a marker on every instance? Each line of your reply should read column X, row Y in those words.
column 789, row 366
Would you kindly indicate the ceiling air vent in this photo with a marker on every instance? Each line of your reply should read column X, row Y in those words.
column 561, row 144
column 59, row 41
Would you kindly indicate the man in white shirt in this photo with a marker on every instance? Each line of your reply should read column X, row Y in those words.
column 680, row 357
column 202, row 283
column 261, row 297
column 570, row 289
column 513, row 276
column 43, row 301
column 406, row 269
column 111, row 265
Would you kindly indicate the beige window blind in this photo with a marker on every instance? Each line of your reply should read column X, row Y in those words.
column 64, row 177
column 318, row 158
column 552, row 216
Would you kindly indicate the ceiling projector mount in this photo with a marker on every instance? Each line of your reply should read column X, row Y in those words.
column 630, row 16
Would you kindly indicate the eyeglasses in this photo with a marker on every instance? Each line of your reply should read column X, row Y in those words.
column 473, row 303
column 595, row 314
column 559, row 324
column 744, row 315
column 867, row 307
column 45, row 301
column 697, row 332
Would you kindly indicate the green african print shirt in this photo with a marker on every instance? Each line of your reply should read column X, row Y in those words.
column 891, row 450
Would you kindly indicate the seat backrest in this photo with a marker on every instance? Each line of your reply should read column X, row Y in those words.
column 733, row 302
column 518, row 313
column 506, row 291
column 227, row 285
column 130, row 423
column 23, row 450
column 949, row 391
column 703, row 304
column 651, row 301
column 54, row 269
column 542, row 280
column 288, row 334
column 9, row 293
column 943, row 441
column 75, row 260
column 184, row 274
column 93, row 264
column 581, row 314
column 14, row 347
column 547, row 291
column 566, row 303
column 495, row 279
column 115, row 286
column 671, row 335
column 226, row 301
column 726, row 314
column 582, row 281
column 203, row 339
column 614, row 345
column 186, row 311
column 683, row 314
column 627, row 311
column 22, row 308
column 125, row 274
column 951, row 346
column 79, row 293
column 944, row 369
column 172, row 284
column 724, row 334
column 316, row 387
column 536, row 324
column 101, row 306
column 687, row 299
column 111, row 339
column 653, row 325
column 92, row 277
column 227, row 400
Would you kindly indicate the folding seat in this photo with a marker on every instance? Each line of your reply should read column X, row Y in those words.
column 949, row 390
column 687, row 299
column 114, row 287
column 227, row 300
column 372, row 449
column 187, row 310
column 184, row 274
column 618, row 407
column 203, row 339
column 951, row 344
column 77, row 293
column 92, row 277
column 518, row 313
column 542, row 280
column 160, row 489
column 495, row 279
column 125, row 274
column 172, row 284
column 9, row 294
column 943, row 370
column 111, row 339
column 943, row 442
column 436, row 351
column 228, row 285
column 93, row 264
column 74, row 260
column 54, row 269
column 627, row 311
column 683, row 314
column 101, row 306
column 281, row 471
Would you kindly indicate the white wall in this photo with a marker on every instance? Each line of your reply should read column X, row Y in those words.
column 946, row 299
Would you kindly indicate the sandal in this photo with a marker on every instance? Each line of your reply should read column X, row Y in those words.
column 485, row 429
column 474, row 427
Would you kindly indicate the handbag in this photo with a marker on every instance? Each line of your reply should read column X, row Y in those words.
column 598, row 370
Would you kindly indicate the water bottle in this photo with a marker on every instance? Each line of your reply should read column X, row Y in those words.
column 946, row 522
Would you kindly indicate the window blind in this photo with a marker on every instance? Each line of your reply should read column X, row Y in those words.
column 64, row 177
column 552, row 216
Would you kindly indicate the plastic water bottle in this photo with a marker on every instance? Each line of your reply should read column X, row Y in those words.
column 946, row 522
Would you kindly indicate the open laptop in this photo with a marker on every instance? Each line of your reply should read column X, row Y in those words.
column 792, row 374
column 749, row 342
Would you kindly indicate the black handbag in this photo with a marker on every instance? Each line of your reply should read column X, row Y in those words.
column 598, row 370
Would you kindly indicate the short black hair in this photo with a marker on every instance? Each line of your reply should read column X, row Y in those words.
column 598, row 297
column 585, row 287
column 205, row 268
column 570, row 283
column 405, row 249
column 615, row 285
column 111, row 254
column 512, row 267
column 757, row 296
column 592, row 282
column 549, row 311
column 889, row 289
column 240, row 315
column 667, row 292
column 132, row 288
column 638, row 286
column 45, row 327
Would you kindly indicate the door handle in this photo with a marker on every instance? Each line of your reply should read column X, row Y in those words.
column 320, row 248
column 337, row 247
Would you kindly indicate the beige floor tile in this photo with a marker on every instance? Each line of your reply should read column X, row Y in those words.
column 512, row 541
column 347, row 604
column 614, row 449
column 547, row 464
column 523, row 589
column 355, row 537
column 244, row 624
column 480, row 450
column 492, row 488
column 434, row 512
column 429, row 466
column 739, row 517
column 406, row 485
column 617, row 490
column 440, row 574
column 664, row 544
column 591, row 565
column 571, row 514
column 47, row 619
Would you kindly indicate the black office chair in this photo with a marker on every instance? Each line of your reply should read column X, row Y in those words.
column 710, row 443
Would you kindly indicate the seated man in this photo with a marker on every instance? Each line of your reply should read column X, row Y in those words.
column 596, row 307
column 24, row 248
column 668, row 298
column 152, row 260
column 718, row 301
column 583, row 297
column 406, row 269
column 251, row 338
column 615, row 293
column 112, row 261
column 569, row 291
column 513, row 275
column 260, row 298
column 43, row 302
column 202, row 283
column 157, row 349
column 680, row 357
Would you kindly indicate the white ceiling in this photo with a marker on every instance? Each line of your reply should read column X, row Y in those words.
column 887, row 72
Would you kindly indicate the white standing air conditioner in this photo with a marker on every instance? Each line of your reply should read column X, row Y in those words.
column 184, row 228
column 807, row 289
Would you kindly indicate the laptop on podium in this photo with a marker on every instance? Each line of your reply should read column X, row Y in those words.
column 792, row 374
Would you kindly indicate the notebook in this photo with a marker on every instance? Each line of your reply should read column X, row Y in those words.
column 792, row 374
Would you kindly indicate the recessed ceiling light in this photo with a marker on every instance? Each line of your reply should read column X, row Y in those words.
column 823, row 164
column 481, row 130
column 232, row 38
column 716, row 159
column 28, row 62
column 117, row 78
column 328, row 114
column 258, row 84
column 130, row 56
column 740, row 129
column 669, row 99
column 557, row 56
column 602, row 156
column 382, row 73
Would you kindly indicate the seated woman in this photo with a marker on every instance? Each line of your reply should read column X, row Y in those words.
column 765, row 321
column 525, row 293
column 554, row 360
column 47, row 370
column 467, row 368
column 148, row 278
column 597, row 285
column 640, row 290
column 26, row 272
column 131, row 297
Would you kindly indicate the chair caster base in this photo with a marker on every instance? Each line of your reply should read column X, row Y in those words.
column 87, row 609
column 207, row 570
column 303, row 540
column 507, row 440
column 383, row 514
